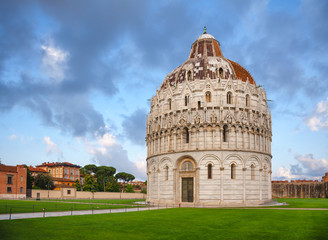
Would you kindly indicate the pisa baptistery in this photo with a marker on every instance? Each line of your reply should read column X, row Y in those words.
column 209, row 134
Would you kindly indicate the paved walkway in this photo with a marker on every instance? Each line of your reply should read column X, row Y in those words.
column 7, row 216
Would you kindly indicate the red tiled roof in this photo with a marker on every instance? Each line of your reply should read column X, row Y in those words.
column 4, row 168
column 241, row 73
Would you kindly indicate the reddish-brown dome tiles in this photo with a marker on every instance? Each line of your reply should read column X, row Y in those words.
column 242, row 73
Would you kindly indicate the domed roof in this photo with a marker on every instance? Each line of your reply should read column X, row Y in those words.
column 207, row 61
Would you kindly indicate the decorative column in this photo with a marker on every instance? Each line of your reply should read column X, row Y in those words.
column 222, row 183
column 244, row 185
column 261, row 170
column 175, row 140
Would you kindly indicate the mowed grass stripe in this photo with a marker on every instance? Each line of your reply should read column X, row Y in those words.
column 183, row 223
column 25, row 206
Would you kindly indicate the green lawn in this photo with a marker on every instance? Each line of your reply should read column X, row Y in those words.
column 22, row 206
column 304, row 202
column 183, row 223
column 106, row 201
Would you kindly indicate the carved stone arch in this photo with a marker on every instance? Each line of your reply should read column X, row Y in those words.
column 216, row 158
column 249, row 160
column 242, row 162
column 165, row 161
column 184, row 158
column 153, row 163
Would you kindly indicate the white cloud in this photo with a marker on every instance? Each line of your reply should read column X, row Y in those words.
column 12, row 137
column 54, row 62
column 106, row 151
column 52, row 147
column 307, row 168
column 319, row 118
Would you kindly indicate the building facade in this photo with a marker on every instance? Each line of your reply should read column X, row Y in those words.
column 13, row 181
column 61, row 170
column 209, row 133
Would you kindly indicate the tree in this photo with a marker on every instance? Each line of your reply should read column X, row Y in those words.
column 77, row 185
column 29, row 178
column 129, row 188
column 113, row 185
column 125, row 177
column 103, row 175
column 44, row 181
column 89, row 169
column 89, row 183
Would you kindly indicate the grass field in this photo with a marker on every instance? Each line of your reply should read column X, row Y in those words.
column 23, row 206
column 183, row 223
column 304, row 202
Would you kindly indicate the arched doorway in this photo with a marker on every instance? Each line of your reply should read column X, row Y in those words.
column 187, row 174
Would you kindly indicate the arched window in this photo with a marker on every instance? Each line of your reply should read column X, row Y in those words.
column 170, row 103
column 252, row 172
column 166, row 173
column 229, row 98
column 208, row 96
column 199, row 104
column 209, row 171
column 221, row 72
column 225, row 133
column 247, row 101
column 187, row 166
column 189, row 75
column 233, row 171
column 187, row 135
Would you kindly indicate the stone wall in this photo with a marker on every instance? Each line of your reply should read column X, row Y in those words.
column 300, row 190
column 73, row 194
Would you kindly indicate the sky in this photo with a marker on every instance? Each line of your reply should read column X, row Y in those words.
column 76, row 76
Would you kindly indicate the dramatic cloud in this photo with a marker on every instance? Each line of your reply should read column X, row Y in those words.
column 134, row 126
column 106, row 151
column 307, row 168
column 52, row 147
column 319, row 118
column 54, row 63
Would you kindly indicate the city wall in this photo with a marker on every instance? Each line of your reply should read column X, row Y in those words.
column 73, row 194
column 284, row 189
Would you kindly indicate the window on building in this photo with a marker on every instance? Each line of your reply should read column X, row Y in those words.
column 187, row 166
column 57, row 171
column 233, row 171
column 252, row 172
column 225, row 133
column 247, row 100
column 199, row 104
column 21, row 189
column 229, row 98
column 76, row 172
column 186, row 100
column 49, row 170
column 9, row 179
column 166, row 173
column 65, row 171
column 221, row 72
column 208, row 96
column 22, row 178
column 71, row 172
column 189, row 75
column 61, row 170
column 68, row 192
column 170, row 104
column 187, row 135
column 209, row 171
column 9, row 190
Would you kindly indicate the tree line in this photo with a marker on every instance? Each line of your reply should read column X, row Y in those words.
column 96, row 179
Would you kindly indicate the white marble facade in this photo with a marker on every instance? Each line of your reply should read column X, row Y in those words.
column 209, row 134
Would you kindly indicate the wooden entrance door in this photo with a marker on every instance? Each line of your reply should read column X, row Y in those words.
column 188, row 189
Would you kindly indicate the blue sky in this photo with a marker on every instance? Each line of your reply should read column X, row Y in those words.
column 75, row 76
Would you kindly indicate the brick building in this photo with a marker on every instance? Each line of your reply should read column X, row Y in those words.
column 61, row 170
column 13, row 181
